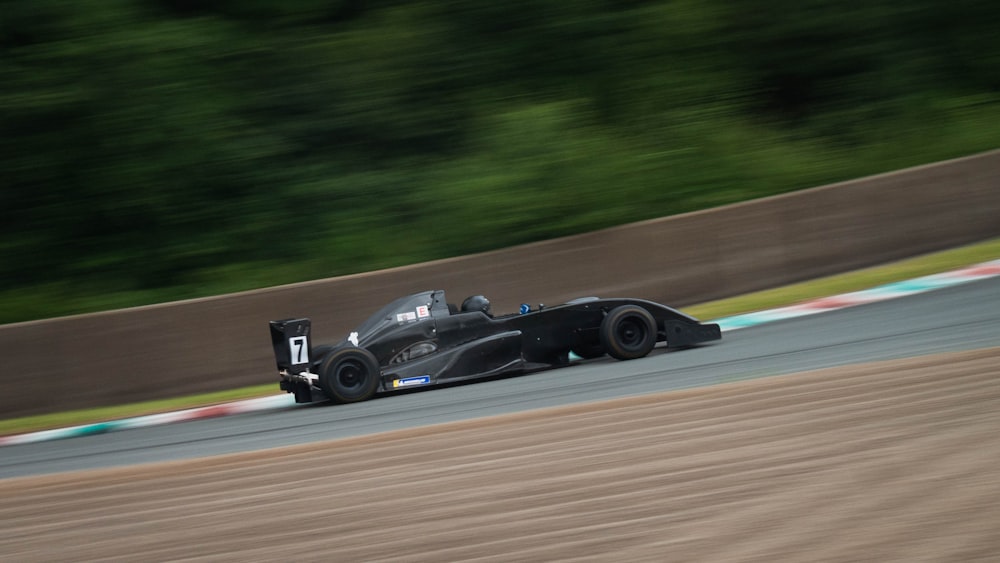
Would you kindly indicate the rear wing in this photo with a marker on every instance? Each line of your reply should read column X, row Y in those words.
column 292, row 342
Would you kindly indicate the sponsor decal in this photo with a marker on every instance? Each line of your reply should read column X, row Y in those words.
column 411, row 381
column 406, row 317
column 423, row 312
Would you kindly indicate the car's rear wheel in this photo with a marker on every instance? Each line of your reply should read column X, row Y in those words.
column 316, row 356
column 349, row 375
column 628, row 332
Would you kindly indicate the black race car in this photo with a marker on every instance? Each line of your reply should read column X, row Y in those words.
column 423, row 340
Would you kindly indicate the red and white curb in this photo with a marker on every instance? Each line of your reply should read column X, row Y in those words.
column 880, row 293
column 274, row 402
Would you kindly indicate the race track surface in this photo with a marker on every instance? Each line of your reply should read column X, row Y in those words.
column 893, row 461
column 887, row 461
column 960, row 318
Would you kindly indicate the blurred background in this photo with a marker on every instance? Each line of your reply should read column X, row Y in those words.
column 153, row 150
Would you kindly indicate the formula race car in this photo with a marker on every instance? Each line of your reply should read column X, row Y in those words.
column 423, row 340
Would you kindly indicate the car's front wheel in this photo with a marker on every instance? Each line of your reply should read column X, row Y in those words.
column 349, row 375
column 628, row 332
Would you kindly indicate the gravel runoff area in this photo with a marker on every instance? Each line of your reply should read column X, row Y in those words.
column 892, row 461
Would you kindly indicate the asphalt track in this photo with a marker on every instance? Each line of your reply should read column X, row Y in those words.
column 959, row 318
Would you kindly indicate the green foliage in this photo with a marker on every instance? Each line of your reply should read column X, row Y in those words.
column 162, row 149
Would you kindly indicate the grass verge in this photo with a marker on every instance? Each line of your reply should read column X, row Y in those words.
column 101, row 414
column 851, row 281
column 823, row 287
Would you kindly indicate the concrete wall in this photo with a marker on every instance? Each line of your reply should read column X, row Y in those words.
column 218, row 343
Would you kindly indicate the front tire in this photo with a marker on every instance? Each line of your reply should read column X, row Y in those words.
column 349, row 375
column 628, row 332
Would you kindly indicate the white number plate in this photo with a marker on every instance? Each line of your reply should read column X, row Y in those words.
column 299, row 347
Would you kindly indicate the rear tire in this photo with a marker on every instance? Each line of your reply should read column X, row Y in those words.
column 317, row 355
column 349, row 375
column 628, row 332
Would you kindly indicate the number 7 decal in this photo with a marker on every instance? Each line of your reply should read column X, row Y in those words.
column 299, row 348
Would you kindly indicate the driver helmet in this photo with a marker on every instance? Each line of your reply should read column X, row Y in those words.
column 477, row 303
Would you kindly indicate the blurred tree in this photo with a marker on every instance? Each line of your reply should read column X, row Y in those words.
column 158, row 149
